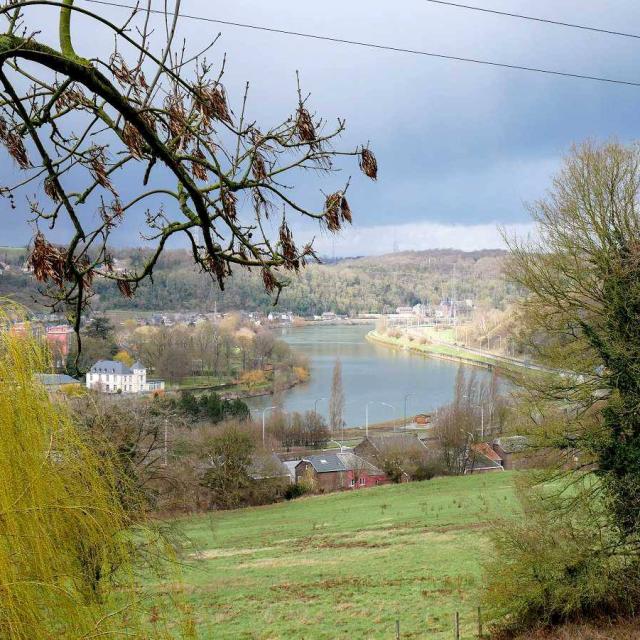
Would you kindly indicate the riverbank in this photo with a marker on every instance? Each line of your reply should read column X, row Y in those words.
column 453, row 353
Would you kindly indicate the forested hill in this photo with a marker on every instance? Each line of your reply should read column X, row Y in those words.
column 349, row 286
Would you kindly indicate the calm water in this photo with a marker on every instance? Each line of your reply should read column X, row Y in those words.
column 369, row 373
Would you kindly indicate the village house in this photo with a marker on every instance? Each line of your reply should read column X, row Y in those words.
column 512, row 451
column 57, row 337
column 340, row 471
column 483, row 459
column 58, row 382
column 402, row 451
column 111, row 376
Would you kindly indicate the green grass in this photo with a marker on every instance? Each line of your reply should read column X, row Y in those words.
column 347, row 565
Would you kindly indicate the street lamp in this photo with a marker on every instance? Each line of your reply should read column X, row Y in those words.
column 406, row 397
column 366, row 412
column 315, row 403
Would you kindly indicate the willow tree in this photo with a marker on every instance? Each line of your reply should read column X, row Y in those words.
column 67, row 547
column 83, row 125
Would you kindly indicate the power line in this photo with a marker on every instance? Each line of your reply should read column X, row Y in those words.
column 557, row 23
column 373, row 45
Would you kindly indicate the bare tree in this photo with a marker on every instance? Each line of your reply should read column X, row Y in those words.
column 79, row 128
column 336, row 401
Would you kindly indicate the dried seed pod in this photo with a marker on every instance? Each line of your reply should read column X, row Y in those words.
column 229, row 202
column 368, row 164
column 332, row 211
column 269, row 281
column 345, row 211
column 97, row 166
column 125, row 288
column 289, row 250
column 47, row 261
column 218, row 103
column 13, row 142
column 132, row 138
column 308, row 254
column 70, row 99
column 216, row 265
column 199, row 170
column 258, row 167
column 211, row 102
column 304, row 125
column 177, row 119
column 51, row 189
column 119, row 68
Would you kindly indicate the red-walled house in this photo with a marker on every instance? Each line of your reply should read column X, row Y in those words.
column 58, row 338
column 340, row 471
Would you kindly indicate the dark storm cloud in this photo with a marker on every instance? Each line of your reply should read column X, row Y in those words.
column 457, row 143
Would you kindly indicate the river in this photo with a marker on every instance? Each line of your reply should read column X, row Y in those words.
column 370, row 374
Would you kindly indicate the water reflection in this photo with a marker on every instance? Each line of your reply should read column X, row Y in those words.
column 369, row 372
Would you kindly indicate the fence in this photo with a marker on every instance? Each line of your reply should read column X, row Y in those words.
column 479, row 635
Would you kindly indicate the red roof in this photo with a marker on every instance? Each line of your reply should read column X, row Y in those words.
column 485, row 449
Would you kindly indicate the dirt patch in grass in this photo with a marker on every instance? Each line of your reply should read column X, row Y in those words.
column 264, row 563
column 214, row 554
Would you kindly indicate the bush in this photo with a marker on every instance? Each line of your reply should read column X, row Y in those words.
column 295, row 490
column 428, row 470
column 558, row 564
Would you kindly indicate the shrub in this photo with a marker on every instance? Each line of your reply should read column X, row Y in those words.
column 558, row 564
column 295, row 490
column 428, row 470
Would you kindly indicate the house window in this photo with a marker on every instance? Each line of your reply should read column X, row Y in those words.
column 363, row 481
column 353, row 482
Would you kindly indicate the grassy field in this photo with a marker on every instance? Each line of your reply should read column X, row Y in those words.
column 347, row 565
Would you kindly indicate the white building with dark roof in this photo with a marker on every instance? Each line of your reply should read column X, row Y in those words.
column 111, row 376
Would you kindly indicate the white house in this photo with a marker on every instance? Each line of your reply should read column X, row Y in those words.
column 111, row 376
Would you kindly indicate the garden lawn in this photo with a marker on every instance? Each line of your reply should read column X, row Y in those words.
column 347, row 565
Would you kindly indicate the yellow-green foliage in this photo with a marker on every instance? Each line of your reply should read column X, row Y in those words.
column 67, row 550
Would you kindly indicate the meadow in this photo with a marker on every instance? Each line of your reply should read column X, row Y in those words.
column 347, row 565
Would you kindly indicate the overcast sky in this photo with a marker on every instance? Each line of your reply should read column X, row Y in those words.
column 461, row 147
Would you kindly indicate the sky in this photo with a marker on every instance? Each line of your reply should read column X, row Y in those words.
column 462, row 148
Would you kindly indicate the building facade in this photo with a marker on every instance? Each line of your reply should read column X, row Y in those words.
column 111, row 376
column 340, row 471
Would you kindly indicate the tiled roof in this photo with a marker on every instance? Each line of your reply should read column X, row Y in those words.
column 513, row 444
column 345, row 461
column 396, row 440
column 113, row 366
column 110, row 366
column 484, row 449
column 55, row 379
column 267, row 466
